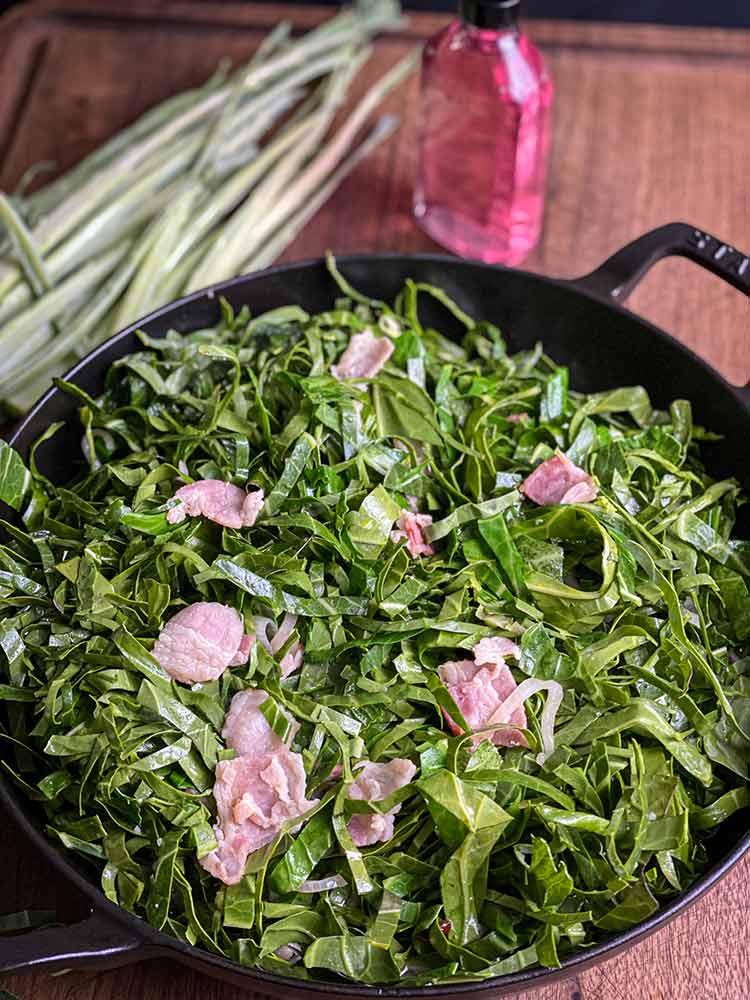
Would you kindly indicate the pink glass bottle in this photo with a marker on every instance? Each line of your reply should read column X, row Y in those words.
column 484, row 135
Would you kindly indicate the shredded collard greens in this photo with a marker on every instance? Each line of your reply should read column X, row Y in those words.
column 636, row 603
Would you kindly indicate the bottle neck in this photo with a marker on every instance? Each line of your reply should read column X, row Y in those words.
column 500, row 16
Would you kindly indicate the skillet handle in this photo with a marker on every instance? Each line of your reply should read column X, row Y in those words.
column 95, row 942
column 619, row 274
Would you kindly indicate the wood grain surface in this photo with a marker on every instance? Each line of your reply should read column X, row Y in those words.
column 650, row 125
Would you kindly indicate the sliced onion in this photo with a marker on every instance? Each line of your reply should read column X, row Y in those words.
column 261, row 626
column 291, row 952
column 283, row 632
column 323, row 884
column 415, row 371
column 292, row 660
column 389, row 325
column 87, row 454
column 108, row 440
column 552, row 703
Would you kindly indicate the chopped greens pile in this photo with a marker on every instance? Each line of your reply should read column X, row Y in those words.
column 637, row 603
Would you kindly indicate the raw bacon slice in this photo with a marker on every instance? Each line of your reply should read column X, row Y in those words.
column 246, row 729
column 223, row 503
column 243, row 653
column 374, row 783
column 558, row 481
column 201, row 641
column 480, row 686
column 293, row 658
column 255, row 795
column 364, row 356
column 410, row 527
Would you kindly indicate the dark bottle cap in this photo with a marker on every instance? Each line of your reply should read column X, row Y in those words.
column 490, row 13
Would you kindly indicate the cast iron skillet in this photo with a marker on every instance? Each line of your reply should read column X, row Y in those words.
column 583, row 326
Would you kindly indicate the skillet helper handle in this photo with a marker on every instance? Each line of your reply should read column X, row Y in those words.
column 93, row 943
column 619, row 274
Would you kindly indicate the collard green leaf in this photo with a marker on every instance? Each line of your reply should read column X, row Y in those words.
column 310, row 846
column 369, row 527
column 160, row 892
column 180, row 717
column 634, row 905
column 385, row 924
column 15, row 478
column 405, row 411
column 258, row 586
column 239, row 904
column 356, row 958
column 463, row 882
column 495, row 532
column 643, row 717
column 301, row 928
column 294, row 466
column 458, row 808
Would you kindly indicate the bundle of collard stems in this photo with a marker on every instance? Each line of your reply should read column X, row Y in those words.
column 207, row 185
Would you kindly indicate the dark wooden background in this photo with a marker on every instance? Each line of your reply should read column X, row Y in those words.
column 651, row 125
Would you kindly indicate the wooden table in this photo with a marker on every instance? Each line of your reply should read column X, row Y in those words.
column 651, row 125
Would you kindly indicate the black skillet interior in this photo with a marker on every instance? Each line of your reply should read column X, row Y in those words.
column 603, row 346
